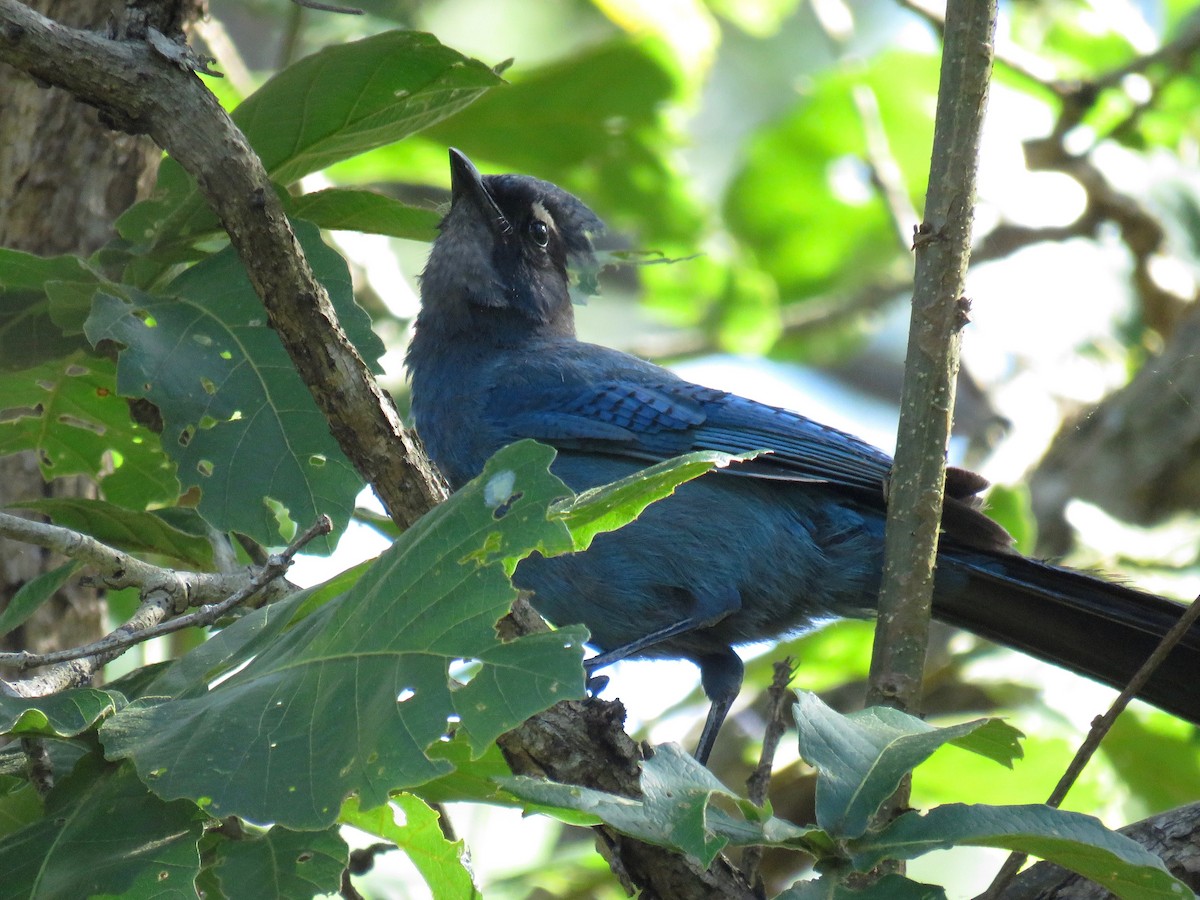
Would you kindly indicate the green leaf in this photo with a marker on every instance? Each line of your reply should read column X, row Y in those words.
column 282, row 863
column 20, row 804
column 613, row 505
column 471, row 779
column 126, row 529
column 60, row 715
column 440, row 862
column 349, row 698
column 1082, row 46
column 28, row 335
column 355, row 97
column 762, row 18
column 20, row 271
column 862, row 757
column 33, row 328
column 1077, row 842
column 479, row 780
column 236, row 417
column 133, row 684
column 193, row 673
column 104, row 833
column 329, row 106
column 675, row 810
column 68, row 411
column 70, row 302
column 350, row 209
column 889, row 887
column 33, row 593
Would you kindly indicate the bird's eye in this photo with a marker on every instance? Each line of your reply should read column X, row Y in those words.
column 540, row 232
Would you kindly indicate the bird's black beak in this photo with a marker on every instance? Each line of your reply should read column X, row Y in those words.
column 466, row 185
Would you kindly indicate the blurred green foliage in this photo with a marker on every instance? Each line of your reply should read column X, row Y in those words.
column 772, row 152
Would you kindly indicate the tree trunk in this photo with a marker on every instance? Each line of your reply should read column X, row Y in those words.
column 64, row 179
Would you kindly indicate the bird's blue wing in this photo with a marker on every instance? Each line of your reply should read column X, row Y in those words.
column 647, row 413
column 580, row 397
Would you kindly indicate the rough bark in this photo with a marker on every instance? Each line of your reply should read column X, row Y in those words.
column 64, row 178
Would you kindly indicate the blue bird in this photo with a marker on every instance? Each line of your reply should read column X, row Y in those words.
column 752, row 552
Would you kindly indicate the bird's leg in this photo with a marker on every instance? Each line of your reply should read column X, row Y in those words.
column 633, row 648
column 710, row 610
column 721, row 677
column 720, row 671
column 597, row 683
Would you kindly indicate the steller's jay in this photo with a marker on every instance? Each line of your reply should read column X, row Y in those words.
column 747, row 553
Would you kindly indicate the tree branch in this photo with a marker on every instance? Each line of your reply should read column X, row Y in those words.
column 137, row 87
column 134, row 86
column 584, row 743
column 943, row 247
column 116, row 569
column 164, row 592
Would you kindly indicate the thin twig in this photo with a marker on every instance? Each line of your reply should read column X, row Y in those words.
column 151, row 620
column 116, row 569
column 778, row 696
column 885, row 171
column 128, row 636
column 777, row 707
column 1101, row 725
column 39, row 768
column 943, row 248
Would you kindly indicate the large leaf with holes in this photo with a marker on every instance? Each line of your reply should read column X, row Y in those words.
column 103, row 834
column 349, row 698
column 327, row 107
column 236, row 417
column 282, row 864
column 68, row 412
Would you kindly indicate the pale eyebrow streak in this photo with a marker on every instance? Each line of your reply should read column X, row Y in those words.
column 540, row 212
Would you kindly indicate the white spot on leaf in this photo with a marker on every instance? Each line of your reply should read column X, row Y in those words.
column 499, row 488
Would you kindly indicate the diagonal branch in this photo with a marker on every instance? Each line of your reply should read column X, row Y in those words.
column 164, row 593
column 140, row 90
column 116, row 569
column 137, row 88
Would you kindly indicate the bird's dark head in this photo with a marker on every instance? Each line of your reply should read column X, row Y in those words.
column 506, row 254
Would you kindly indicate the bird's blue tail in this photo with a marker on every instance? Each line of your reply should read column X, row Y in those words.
column 1086, row 624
